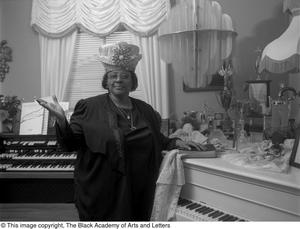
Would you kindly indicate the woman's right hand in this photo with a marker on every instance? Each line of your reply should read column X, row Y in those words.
column 54, row 108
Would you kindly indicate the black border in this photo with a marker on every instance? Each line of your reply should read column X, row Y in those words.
column 294, row 150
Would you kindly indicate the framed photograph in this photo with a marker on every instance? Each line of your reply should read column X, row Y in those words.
column 259, row 90
column 295, row 156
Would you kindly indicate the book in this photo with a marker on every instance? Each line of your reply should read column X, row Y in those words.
column 197, row 154
column 208, row 151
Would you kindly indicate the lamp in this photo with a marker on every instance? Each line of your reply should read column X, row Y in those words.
column 5, row 56
column 283, row 54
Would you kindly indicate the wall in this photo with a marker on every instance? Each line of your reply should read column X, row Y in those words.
column 257, row 22
column 23, row 79
column 1, row 19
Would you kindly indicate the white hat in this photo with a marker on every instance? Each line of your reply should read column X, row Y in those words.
column 119, row 56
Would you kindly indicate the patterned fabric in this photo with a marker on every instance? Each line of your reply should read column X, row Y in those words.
column 168, row 187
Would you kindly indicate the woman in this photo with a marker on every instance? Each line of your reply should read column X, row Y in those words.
column 118, row 141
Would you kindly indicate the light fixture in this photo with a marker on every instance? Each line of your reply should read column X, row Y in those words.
column 5, row 56
column 282, row 54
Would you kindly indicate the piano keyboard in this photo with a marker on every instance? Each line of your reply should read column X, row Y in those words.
column 188, row 210
column 38, row 155
column 34, row 153
column 40, row 166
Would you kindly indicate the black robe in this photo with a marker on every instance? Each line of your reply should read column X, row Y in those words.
column 105, row 177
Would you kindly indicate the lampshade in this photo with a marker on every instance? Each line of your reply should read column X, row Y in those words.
column 196, row 38
column 283, row 54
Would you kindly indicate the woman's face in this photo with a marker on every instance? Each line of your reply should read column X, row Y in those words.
column 119, row 82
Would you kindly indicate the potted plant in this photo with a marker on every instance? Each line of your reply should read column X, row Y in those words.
column 9, row 114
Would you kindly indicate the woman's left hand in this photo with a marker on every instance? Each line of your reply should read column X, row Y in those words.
column 187, row 145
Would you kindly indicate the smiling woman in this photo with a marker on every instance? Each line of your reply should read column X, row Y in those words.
column 118, row 143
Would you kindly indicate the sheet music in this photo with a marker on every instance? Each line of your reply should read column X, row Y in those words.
column 32, row 115
column 35, row 119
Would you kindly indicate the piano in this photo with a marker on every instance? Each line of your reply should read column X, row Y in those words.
column 216, row 190
column 35, row 169
column 34, row 153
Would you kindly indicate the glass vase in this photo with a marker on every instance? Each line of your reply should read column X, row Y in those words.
column 226, row 96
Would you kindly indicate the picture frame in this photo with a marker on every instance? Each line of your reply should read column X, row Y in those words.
column 295, row 156
column 259, row 92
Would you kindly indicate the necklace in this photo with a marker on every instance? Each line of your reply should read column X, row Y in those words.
column 124, row 104
column 126, row 115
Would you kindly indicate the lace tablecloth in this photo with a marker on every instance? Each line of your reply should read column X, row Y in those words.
column 262, row 156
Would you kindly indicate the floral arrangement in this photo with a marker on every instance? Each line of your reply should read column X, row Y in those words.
column 10, row 104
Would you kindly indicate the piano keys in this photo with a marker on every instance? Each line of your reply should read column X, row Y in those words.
column 188, row 210
column 49, row 165
column 39, row 155
column 34, row 153
column 214, row 186
column 35, row 169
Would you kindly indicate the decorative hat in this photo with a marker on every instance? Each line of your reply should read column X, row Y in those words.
column 119, row 56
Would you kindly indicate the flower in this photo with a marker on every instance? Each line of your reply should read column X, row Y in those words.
column 10, row 104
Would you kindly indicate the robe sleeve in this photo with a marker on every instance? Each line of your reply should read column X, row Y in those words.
column 71, row 137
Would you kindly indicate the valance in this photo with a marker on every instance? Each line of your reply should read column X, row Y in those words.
column 283, row 54
column 56, row 18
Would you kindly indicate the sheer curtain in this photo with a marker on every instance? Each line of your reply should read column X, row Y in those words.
column 57, row 23
column 153, row 74
column 56, row 60
column 56, row 18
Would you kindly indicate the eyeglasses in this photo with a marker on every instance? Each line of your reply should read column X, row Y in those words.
column 116, row 75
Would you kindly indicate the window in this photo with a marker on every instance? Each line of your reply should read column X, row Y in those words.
column 87, row 71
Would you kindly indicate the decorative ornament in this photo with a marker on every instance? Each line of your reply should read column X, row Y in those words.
column 226, row 94
column 121, row 57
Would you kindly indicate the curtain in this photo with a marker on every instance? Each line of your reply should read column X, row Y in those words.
column 56, row 59
column 153, row 74
column 56, row 18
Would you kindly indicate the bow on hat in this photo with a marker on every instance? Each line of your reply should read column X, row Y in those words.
column 119, row 56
